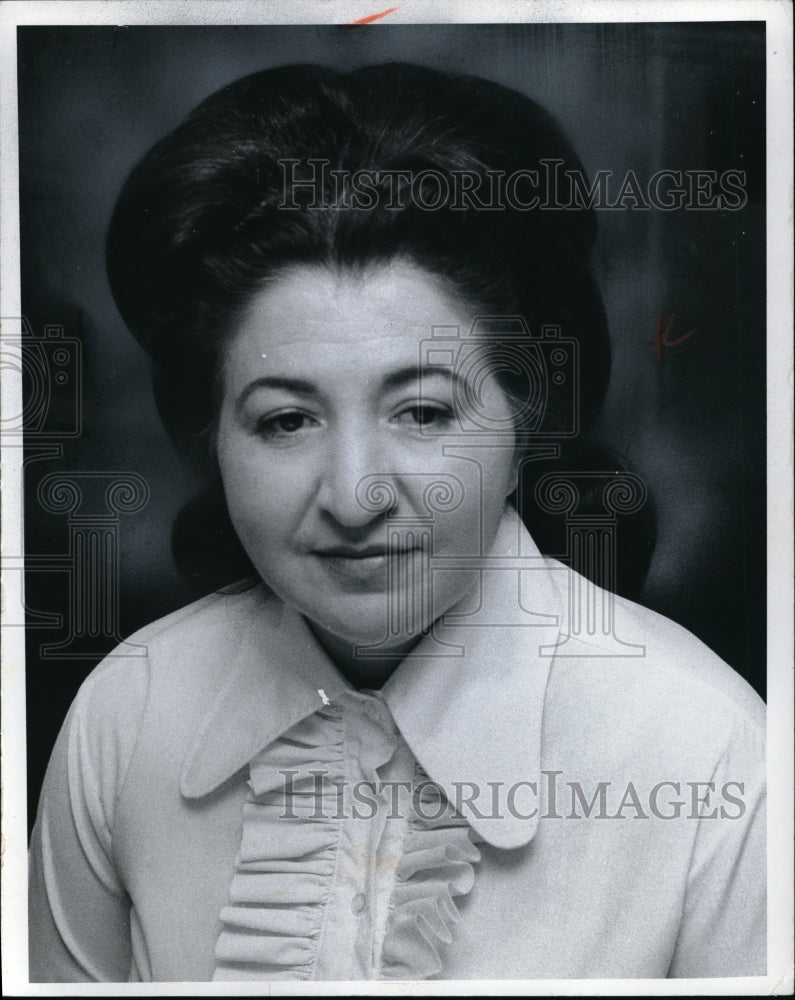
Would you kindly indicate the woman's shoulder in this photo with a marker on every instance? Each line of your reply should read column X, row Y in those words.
column 191, row 640
column 208, row 617
column 687, row 665
column 161, row 679
column 641, row 661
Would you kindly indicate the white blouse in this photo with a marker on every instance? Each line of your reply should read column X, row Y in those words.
column 515, row 802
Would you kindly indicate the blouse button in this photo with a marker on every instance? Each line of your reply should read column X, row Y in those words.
column 358, row 904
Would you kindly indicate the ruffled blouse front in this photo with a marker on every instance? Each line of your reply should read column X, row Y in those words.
column 351, row 860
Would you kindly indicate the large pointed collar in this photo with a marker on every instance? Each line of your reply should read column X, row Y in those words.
column 277, row 676
column 468, row 700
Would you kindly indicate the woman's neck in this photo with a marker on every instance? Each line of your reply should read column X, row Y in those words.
column 361, row 670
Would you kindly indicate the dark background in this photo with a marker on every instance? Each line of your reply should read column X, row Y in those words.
column 92, row 100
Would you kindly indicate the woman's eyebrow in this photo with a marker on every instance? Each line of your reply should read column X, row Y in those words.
column 299, row 386
column 413, row 373
column 394, row 380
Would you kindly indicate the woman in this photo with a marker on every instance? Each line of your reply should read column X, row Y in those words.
column 395, row 752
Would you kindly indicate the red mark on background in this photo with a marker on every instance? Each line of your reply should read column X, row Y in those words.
column 375, row 17
column 662, row 336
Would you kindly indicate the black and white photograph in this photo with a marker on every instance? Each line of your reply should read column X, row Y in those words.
column 397, row 497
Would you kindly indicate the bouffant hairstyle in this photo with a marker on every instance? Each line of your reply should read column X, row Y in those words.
column 221, row 206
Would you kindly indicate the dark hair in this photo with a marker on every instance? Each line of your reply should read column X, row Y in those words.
column 201, row 225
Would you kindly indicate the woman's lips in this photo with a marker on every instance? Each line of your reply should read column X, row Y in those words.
column 365, row 566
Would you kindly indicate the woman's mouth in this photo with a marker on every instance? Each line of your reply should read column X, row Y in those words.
column 366, row 565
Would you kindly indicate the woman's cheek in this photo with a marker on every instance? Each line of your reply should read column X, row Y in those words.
column 270, row 499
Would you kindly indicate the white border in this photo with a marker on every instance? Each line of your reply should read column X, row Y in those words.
column 153, row 12
column 778, row 17
column 780, row 572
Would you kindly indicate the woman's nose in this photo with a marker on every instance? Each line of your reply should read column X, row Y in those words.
column 352, row 490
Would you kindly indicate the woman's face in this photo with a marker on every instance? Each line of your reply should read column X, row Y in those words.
column 327, row 393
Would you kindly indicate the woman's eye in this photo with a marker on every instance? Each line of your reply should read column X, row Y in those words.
column 425, row 416
column 284, row 425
